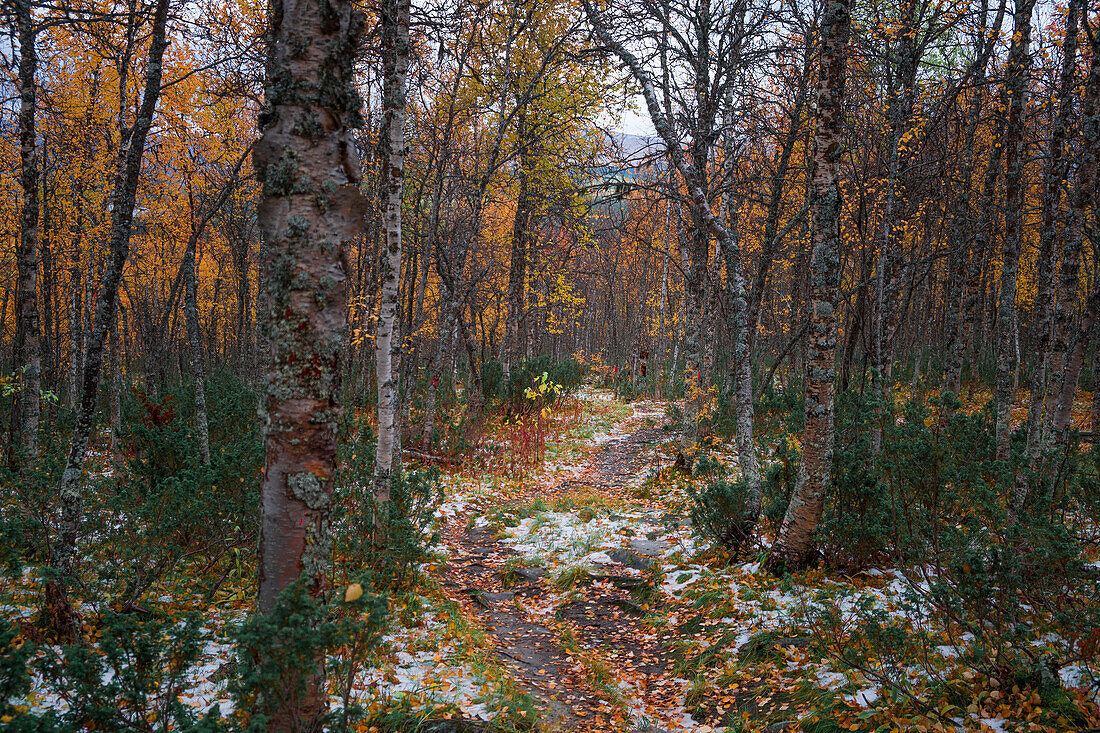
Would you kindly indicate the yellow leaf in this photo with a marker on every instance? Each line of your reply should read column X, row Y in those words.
column 353, row 593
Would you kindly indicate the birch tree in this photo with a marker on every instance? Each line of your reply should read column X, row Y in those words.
column 122, row 204
column 310, row 208
column 1019, row 64
column 712, row 47
column 792, row 549
column 28, row 357
column 387, row 337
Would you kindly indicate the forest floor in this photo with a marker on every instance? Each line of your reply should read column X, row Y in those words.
column 571, row 593
column 607, row 612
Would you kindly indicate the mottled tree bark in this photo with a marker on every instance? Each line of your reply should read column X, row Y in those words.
column 1076, row 225
column 115, row 398
column 793, row 546
column 123, row 202
column 76, row 352
column 1053, row 181
column 1019, row 64
column 28, row 352
column 310, row 208
column 741, row 335
column 387, row 338
column 194, row 346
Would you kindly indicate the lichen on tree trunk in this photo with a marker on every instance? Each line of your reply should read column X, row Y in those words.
column 794, row 544
column 387, row 338
column 310, row 208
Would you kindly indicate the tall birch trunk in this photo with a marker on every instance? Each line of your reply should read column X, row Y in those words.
column 194, row 347
column 123, row 202
column 191, row 307
column 1076, row 226
column 115, row 398
column 76, row 341
column 1019, row 64
column 793, row 547
column 742, row 380
column 28, row 349
column 515, row 336
column 387, row 339
column 706, row 224
column 1053, row 181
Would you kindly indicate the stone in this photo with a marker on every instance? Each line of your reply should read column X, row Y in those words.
column 626, row 582
column 624, row 556
column 652, row 548
column 488, row 600
column 531, row 575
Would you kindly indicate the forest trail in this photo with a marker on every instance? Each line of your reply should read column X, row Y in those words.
column 579, row 646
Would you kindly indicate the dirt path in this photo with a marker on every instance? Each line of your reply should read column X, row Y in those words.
column 595, row 665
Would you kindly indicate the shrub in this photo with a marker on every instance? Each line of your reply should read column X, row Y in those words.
column 279, row 652
column 164, row 504
column 719, row 511
column 391, row 541
column 567, row 374
column 134, row 677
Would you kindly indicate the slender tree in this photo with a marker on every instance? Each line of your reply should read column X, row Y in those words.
column 1019, row 64
column 794, row 544
column 387, row 337
column 1054, row 178
column 123, row 202
column 691, row 165
column 28, row 353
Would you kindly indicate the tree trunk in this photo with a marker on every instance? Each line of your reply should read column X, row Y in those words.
column 742, row 381
column 892, row 270
column 309, row 209
column 517, row 270
column 191, row 307
column 123, row 201
column 387, row 340
column 1053, row 181
column 1076, row 226
column 793, row 547
column 76, row 351
column 194, row 344
column 115, row 398
column 1019, row 63
column 28, row 349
